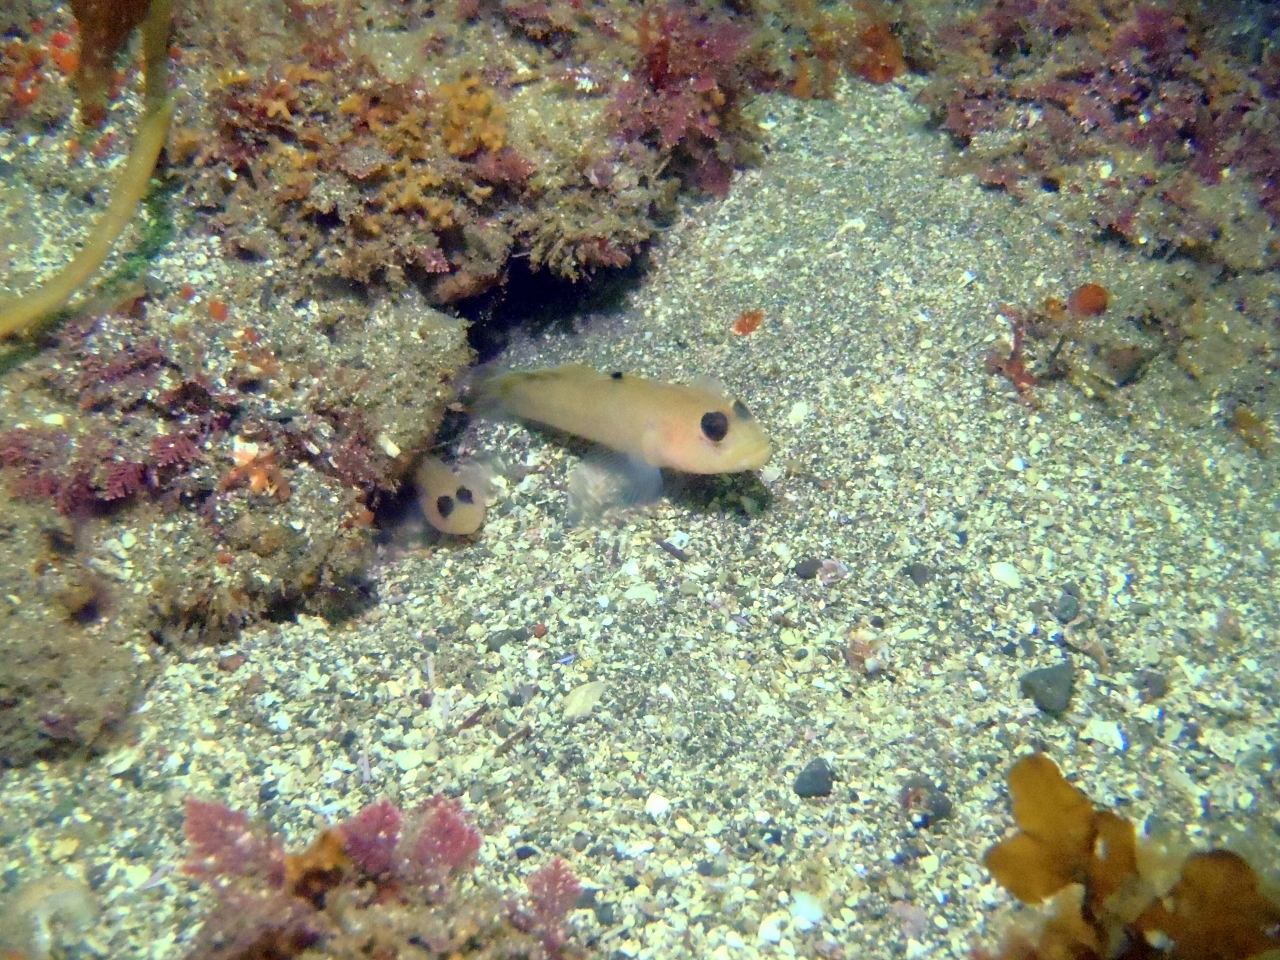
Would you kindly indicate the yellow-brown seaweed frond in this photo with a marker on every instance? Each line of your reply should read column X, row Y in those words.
column 19, row 313
column 1113, row 896
column 1063, row 839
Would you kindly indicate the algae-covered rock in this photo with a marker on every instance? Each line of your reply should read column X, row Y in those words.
column 68, row 678
column 170, row 477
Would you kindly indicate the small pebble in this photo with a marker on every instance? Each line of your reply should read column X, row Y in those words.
column 807, row 568
column 408, row 760
column 1007, row 574
column 1153, row 685
column 1050, row 687
column 924, row 802
column 815, row 780
column 657, row 806
column 1106, row 732
column 920, row 573
column 1067, row 608
column 770, row 930
column 581, row 700
column 806, row 910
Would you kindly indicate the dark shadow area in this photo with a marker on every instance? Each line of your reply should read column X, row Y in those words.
column 720, row 493
column 535, row 302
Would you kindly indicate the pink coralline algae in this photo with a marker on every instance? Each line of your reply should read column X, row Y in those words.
column 687, row 90
column 395, row 878
column 1141, row 108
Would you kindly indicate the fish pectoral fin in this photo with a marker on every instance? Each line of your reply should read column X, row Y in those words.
column 606, row 480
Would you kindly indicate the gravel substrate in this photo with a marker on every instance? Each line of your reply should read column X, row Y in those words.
column 812, row 682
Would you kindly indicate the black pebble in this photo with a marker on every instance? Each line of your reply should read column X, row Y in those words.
column 814, row 780
column 920, row 573
column 525, row 851
column 807, row 568
column 500, row 638
column 1153, row 684
column 1068, row 606
column 267, row 792
column 1050, row 687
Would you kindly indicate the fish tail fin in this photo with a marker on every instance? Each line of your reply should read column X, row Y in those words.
column 487, row 392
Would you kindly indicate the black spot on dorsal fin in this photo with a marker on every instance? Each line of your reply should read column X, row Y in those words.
column 464, row 495
column 715, row 426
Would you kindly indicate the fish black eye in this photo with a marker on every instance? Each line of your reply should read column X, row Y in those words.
column 740, row 410
column 444, row 506
column 464, row 495
column 616, row 375
column 715, row 426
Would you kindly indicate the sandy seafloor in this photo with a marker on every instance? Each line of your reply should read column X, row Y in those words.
column 724, row 675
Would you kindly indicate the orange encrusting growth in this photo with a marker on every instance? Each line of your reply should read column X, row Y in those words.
column 863, row 44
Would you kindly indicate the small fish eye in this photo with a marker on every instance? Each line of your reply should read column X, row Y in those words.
column 715, row 426
column 444, row 506
column 740, row 410
column 616, row 375
column 464, row 495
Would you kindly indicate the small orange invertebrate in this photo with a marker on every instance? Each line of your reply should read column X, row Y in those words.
column 1089, row 300
column 884, row 57
column 68, row 61
column 255, row 467
column 66, row 57
column 218, row 310
column 748, row 321
column 102, row 148
column 24, row 95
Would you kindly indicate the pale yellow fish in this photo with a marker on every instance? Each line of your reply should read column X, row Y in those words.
column 452, row 495
column 666, row 425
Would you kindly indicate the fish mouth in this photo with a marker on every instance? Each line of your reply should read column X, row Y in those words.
column 758, row 456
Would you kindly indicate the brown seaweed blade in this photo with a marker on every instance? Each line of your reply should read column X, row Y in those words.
column 1103, row 905
column 18, row 313
column 105, row 27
